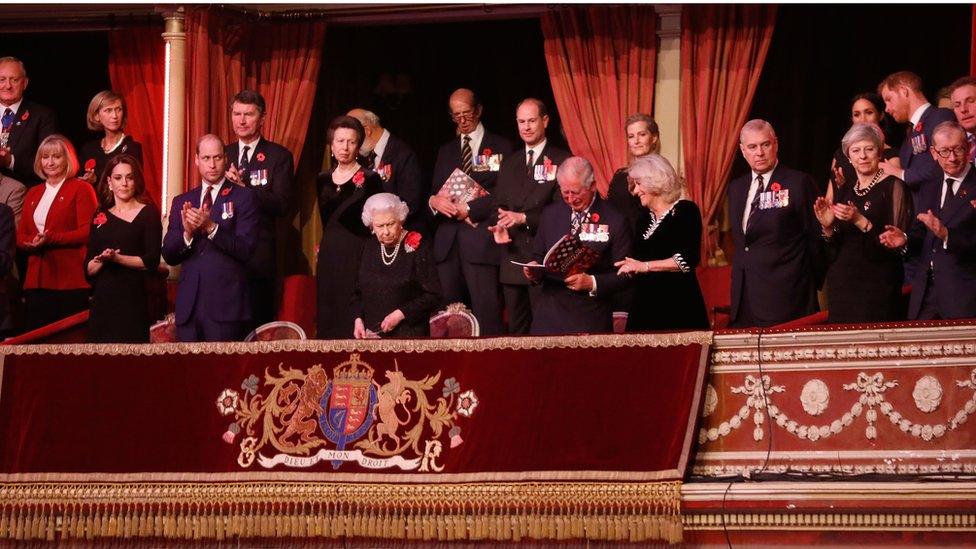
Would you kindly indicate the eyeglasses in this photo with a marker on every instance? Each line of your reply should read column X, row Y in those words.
column 958, row 151
column 459, row 116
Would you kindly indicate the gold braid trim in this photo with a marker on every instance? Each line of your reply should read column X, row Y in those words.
column 371, row 345
column 497, row 511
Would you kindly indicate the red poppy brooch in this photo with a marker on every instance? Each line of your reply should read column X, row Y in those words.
column 359, row 178
column 594, row 217
column 260, row 157
column 225, row 192
column 411, row 242
column 100, row 219
column 775, row 186
column 89, row 164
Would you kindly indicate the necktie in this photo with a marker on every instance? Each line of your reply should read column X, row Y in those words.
column 466, row 155
column 371, row 160
column 575, row 222
column 7, row 120
column 207, row 197
column 244, row 165
column 755, row 201
column 530, row 162
column 949, row 183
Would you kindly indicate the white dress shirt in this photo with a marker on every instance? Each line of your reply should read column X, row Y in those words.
column 44, row 205
column 476, row 137
column 250, row 152
column 380, row 147
column 536, row 152
column 917, row 115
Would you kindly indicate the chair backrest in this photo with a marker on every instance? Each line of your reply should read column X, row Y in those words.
column 163, row 331
column 276, row 331
column 456, row 320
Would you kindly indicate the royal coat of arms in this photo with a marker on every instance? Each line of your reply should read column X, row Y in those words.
column 300, row 418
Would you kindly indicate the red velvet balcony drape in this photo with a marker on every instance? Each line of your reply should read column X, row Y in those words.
column 723, row 49
column 280, row 60
column 601, row 64
column 136, row 70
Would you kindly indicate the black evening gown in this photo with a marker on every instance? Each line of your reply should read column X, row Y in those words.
column 343, row 236
column 619, row 195
column 408, row 283
column 92, row 152
column 120, row 298
column 864, row 278
column 669, row 300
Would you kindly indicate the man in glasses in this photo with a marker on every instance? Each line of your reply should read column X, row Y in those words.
column 944, row 235
column 466, row 255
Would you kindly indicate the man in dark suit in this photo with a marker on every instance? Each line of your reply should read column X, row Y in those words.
column 26, row 123
column 526, row 184
column 466, row 255
column 944, row 235
column 777, row 265
column 582, row 302
column 906, row 103
column 396, row 163
column 213, row 229
column 267, row 168
column 962, row 93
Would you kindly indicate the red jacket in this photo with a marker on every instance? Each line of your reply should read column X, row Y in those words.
column 59, row 264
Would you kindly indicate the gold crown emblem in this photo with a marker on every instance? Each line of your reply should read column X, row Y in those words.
column 353, row 370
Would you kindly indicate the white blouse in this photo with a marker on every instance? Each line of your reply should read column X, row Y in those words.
column 44, row 206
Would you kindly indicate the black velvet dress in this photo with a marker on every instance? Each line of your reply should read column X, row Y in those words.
column 343, row 236
column 120, row 296
column 92, row 154
column 408, row 283
column 864, row 278
column 669, row 300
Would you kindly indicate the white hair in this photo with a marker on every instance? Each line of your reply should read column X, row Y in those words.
column 756, row 125
column 384, row 202
column 863, row 131
column 578, row 167
column 656, row 176
column 368, row 118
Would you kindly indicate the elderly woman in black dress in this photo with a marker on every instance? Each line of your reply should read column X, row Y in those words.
column 106, row 113
column 864, row 277
column 666, row 251
column 397, row 286
column 123, row 250
column 342, row 193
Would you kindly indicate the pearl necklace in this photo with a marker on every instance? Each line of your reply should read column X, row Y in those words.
column 392, row 256
column 863, row 192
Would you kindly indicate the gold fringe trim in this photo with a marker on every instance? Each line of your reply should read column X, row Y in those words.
column 444, row 512
column 371, row 345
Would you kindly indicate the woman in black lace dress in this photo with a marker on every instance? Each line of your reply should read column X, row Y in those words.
column 106, row 112
column 667, row 248
column 342, row 193
column 864, row 277
column 397, row 286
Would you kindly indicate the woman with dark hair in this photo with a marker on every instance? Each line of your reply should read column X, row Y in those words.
column 342, row 193
column 866, row 108
column 53, row 231
column 106, row 113
column 123, row 250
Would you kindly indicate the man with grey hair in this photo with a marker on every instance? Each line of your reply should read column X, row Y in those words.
column 944, row 235
column 578, row 302
column 526, row 184
column 776, row 267
column 396, row 163
column 23, row 124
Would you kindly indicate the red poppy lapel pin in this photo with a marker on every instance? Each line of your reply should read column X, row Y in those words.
column 260, row 157
column 775, row 186
column 89, row 164
column 100, row 219
column 225, row 192
column 918, row 127
column 486, row 152
column 359, row 178
column 25, row 116
column 411, row 241
column 594, row 217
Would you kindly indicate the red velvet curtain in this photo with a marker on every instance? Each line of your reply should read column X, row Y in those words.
column 601, row 64
column 224, row 55
column 137, row 71
column 723, row 49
